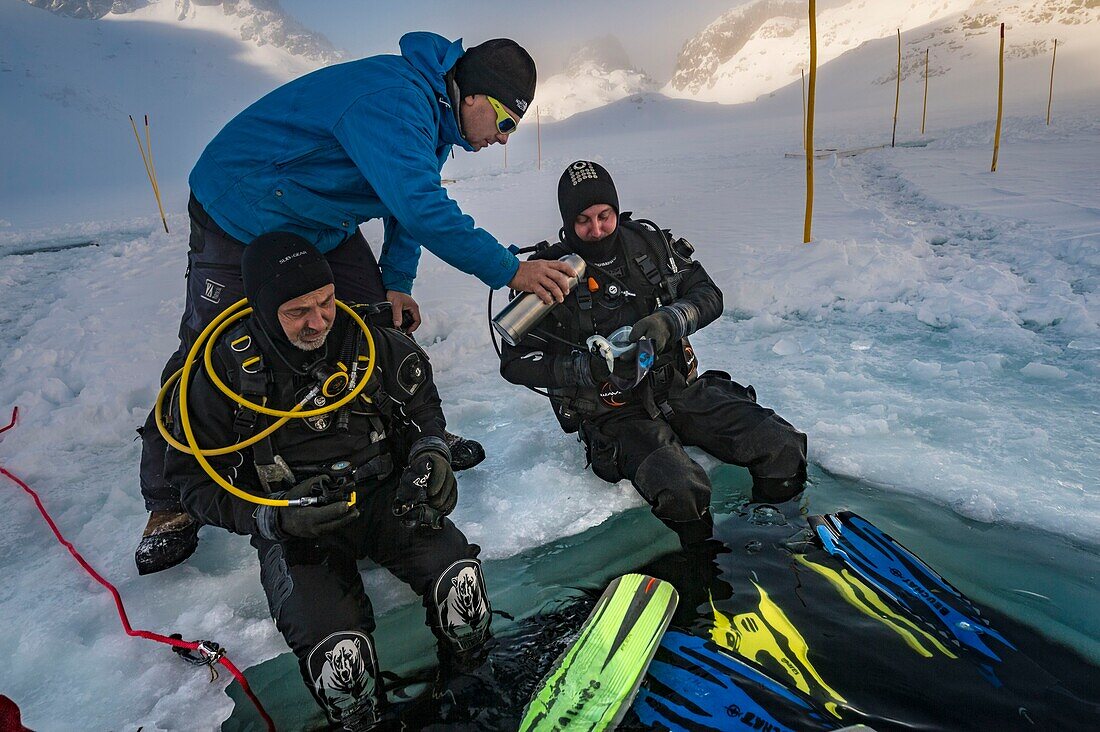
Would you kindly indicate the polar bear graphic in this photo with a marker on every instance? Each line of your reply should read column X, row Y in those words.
column 343, row 681
column 465, row 601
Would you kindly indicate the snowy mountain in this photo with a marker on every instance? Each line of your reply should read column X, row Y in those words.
column 88, row 8
column 598, row 73
column 262, row 22
column 70, row 77
column 759, row 47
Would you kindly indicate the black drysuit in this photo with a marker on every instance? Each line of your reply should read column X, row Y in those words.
column 213, row 284
column 313, row 586
column 641, row 435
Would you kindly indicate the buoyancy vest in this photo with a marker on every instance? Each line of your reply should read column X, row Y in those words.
column 367, row 432
column 646, row 275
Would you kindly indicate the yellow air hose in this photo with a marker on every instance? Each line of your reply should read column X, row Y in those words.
column 206, row 340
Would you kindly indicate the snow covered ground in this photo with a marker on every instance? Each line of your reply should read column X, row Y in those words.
column 67, row 85
column 940, row 337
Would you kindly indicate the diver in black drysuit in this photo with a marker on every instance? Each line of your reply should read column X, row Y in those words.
column 638, row 276
column 399, row 462
column 213, row 284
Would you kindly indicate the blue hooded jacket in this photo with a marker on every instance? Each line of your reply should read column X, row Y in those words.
column 348, row 143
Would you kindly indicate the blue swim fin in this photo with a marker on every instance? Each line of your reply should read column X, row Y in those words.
column 900, row 575
column 693, row 684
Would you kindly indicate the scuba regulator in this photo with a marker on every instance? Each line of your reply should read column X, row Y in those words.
column 330, row 383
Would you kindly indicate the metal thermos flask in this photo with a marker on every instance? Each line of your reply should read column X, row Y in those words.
column 524, row 312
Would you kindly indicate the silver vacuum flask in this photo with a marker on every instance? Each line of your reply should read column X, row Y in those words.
column 524, row 312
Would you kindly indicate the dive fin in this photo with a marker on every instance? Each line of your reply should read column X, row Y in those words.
column 767, row 637
column 864, row 598
column 693, row 684
column 592, row 685
column 896, row 573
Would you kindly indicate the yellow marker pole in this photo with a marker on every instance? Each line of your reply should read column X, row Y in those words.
column 1000, row 102
column 538, row 131
column 153, row 170
column 803, row 104
column 148, row 171
column 810, row 125
column 897, row 94
column 1050, row 98
column 924, row 114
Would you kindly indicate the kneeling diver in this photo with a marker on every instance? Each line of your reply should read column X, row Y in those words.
column 387, row 445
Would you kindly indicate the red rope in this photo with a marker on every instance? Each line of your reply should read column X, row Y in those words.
column 148, row 635
column 14, row 415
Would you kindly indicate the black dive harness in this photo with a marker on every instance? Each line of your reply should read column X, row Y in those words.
column 254, row 381
column 573, row 404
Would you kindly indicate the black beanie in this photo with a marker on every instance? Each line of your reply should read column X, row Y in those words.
column 501, row 69
column 584, row 184
column 278, row 267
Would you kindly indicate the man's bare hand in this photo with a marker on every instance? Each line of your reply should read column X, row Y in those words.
column 402, row 304
column 547, row 278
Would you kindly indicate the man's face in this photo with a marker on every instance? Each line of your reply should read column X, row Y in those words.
column 479, row 122
column 596, row 222
column 307, row 320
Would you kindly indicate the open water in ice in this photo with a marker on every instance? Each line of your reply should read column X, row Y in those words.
column 549, row 591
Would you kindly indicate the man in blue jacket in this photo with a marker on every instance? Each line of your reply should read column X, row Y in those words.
column 320, row 155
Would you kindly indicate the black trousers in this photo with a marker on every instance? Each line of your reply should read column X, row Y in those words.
column 713, row 413
column 213, row 284
column 314, row 589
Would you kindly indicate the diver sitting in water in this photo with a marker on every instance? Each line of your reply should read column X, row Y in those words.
column 637, row 407
column 389, row 446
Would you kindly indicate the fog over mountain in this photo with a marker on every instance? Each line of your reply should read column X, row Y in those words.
column 597, row 73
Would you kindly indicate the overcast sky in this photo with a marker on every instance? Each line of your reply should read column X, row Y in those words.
column 651, row 31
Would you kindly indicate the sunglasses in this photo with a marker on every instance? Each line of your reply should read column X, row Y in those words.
column 505, row 123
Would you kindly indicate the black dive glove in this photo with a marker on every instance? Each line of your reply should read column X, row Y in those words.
column 428, row 490
column 305, row 522
column 661, row 326
column 667, row 324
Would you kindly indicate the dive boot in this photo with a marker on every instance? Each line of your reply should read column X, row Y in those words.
column 465, row 685
column 464, row 453
column 694, row 533
column 169, row 538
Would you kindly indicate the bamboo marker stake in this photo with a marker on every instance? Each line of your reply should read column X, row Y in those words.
column 1050, row 97
column 153, row 170
column 810, row 125
column 897, row 94
column 924, row 114
column 152, row 164
column 148, row 167
column 1000, row 102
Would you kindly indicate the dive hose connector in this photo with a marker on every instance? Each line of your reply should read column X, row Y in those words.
column 338, row 485
column 523, row 313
